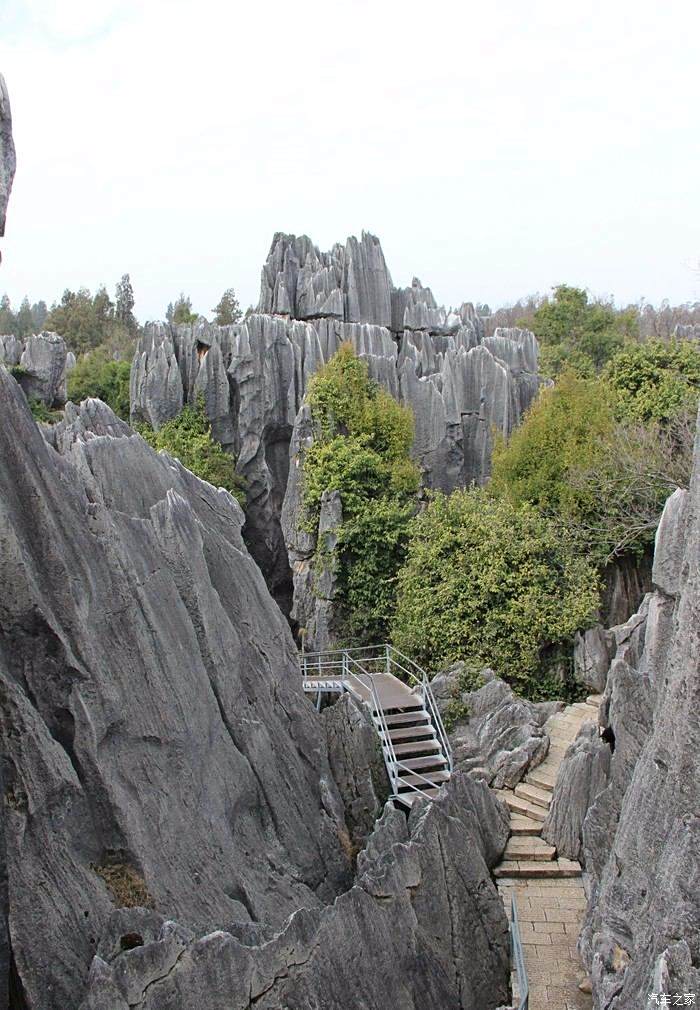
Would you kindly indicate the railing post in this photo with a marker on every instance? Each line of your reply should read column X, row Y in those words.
column 388, row 659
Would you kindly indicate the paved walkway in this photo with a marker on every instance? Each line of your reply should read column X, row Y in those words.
column 548, row 890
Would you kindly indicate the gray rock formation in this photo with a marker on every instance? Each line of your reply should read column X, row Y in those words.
column 497, row 736
column 583, row 775
column 357, row 765
column 41, row 365
column 423, row 926
column 7, row 153
column 253, row 377
column 155, row 742
column 641, row 836
column 150, row 710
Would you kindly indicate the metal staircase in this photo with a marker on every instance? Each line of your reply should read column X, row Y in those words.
column 397, row 692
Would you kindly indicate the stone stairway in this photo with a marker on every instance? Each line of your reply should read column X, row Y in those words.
column 527, row 854
column 548, row 890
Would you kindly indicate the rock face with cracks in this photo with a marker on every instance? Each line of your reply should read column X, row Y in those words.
column 252, row 376
column 423, row 926
column 154, row 731
column 637, row 823
column 7, row 153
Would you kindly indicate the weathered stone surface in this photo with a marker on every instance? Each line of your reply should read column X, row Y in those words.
column 423, row 926
column 502, row 737
column 582, row 776
column 357, row 764
column 641, row 837
column 625, row 583
column 593, row 652
column 44, row 365
column 150, row 702
column 670, row 544
column 7, row 153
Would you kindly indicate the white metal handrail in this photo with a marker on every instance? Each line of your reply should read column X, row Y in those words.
column 361, row 664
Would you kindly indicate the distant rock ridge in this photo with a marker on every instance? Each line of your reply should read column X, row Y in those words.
column 253, row 376
column 42, row 363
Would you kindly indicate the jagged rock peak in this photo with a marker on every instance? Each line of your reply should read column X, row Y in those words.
column 43, row 364
column 350, row 283
column 7, row 153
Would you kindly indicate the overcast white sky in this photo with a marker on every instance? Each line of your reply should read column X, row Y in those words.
column 495, row 148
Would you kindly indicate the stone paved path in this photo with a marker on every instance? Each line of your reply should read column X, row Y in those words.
column 548, row 890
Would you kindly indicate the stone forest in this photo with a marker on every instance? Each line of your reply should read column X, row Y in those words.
column 349, row 656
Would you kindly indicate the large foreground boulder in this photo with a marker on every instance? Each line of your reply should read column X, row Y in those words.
column 7, row 153
column 423, row 926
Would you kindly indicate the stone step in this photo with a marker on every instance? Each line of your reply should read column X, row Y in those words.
column 542, row 779
column 533, row 795
column 521, row 825
column 520, row 806
column 555, row 868
column 594, row 700
column 529, row 849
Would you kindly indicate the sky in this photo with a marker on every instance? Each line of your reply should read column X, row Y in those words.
column 496, row 149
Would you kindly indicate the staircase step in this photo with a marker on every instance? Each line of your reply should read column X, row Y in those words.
column 520, row 806
column 409, row 733
column 414, row 746
column 533, row 795
column 541, row 779
column 521, row 826
column 528, row 849
column 423, row 762
column 409, row 705
column 402, row 718
column 410, row 798
column 555, row 868
column 435, row 777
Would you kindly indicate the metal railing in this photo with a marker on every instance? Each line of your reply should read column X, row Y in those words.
column 360, row 666
column 517, row 959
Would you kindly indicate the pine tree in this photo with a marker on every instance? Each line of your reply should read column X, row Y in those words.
column 228, row 310
column 25, row 322
column 182, row 311
column 8, row 322
column 124, row 304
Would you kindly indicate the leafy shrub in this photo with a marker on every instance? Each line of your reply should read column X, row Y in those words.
column 563, row 428
column 42, row 413
column 655, row 381
column 492, row 583
column 188, row 438
column 98, row 374
column 363, row 438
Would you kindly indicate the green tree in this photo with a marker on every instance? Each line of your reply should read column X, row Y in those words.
column 39, row 313
column 97, row 374
column 8, row 320
column 655, row 381
column 228, row 310
column 25, row 320
column 83, row 321
column 188, row 438
column 181, row 311
column 491, row 583
column 124, row 305
column 577, row 332
column 361, row 449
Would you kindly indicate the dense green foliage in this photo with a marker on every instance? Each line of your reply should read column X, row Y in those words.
column 188, row 438
column 578, row 333
column 28, row 319
column 362, row 451
column 601, row 479
column 97, row 374
column 655, row 381
column 492, row 583
column 180, row 311
column 86, row 321
column 42, row 413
